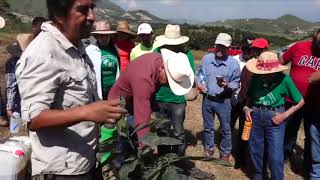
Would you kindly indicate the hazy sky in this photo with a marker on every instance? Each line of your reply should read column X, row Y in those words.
column 212, row 10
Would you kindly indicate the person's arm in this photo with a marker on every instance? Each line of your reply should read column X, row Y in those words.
column 314, row 78
column 142, row 93
column 248, row 101
column 99, row 112
column 279, row 118
column 201, row 80
column 288, row 55
column 294, row 94
column 235, row 78
column 11, row 84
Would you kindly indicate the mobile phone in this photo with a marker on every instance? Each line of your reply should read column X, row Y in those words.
column 219, row 79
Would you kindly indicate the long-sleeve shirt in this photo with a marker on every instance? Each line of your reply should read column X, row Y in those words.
column 210, row 68
column 138, row 84
column 13, row 95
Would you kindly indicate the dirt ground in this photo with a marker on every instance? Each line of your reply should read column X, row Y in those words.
column 194, row 127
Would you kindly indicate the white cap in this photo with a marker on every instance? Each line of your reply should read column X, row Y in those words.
column 144, row 28
column 224, row 39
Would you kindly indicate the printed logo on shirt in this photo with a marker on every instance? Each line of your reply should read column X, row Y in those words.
column 312, row 62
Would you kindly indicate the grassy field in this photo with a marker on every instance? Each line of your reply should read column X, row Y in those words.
column 194, row 127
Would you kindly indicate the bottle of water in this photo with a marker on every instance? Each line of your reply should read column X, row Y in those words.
column 15, row 121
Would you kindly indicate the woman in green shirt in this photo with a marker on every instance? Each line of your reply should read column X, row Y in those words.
column 265, row 109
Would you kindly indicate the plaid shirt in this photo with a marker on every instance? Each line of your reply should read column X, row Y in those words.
column 13, row 96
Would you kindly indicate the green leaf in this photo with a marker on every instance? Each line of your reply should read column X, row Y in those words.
column 155, row 122
column 170, row 174
column 152, row 139
column 126, row 169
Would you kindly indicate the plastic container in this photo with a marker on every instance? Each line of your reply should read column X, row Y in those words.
column 246, row 130
column 23, row 142
column 13, row 164
column 15, row 122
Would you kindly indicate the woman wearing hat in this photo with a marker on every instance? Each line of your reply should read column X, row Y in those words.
column 265, row 109
column 105, row 58
column 124, row 42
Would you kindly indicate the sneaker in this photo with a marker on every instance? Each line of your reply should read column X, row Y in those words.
column 3, row 122
column 208, row 153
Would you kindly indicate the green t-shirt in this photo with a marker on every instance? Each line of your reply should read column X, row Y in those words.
column 141, row 50
column 109, row 67
column 165, row 94
column 272, row 93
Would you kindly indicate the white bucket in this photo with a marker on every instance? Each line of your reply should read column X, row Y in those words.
column 13, row 162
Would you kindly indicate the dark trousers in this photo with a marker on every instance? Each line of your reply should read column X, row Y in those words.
column 242, row 146
column 176, row 114
column 292, row 128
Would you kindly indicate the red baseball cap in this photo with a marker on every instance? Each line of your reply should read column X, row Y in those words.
column 260, row 43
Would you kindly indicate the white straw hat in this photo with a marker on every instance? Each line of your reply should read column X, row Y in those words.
column 172, row 36
column 178, row 70
column 2, row 22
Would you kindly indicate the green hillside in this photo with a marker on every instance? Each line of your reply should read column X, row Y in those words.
column 288, row 26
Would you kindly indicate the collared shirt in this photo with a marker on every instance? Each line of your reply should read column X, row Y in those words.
column 54, row 74
column 210, row 68
column 13, row 96
column 139, row 84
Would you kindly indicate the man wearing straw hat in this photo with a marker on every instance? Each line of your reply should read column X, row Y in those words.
column 140, row 87
column 59, row 99
column 171, row 105
column 124, row 42
column 219, row 76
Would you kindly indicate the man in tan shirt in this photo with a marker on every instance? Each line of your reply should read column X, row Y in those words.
column 58, row 92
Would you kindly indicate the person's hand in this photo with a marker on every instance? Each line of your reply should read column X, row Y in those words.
column 9, row 113
column 104, row 111
column 201, row 88
column 247, row 112
column 224, row 83
column 279, row 118
column 314, row 78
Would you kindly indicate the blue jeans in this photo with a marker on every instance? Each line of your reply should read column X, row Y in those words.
column 223, row 110
column 176, row 114
column 267, row 137
column 315, row 150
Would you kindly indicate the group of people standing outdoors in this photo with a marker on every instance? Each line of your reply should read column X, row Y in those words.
column 66, row 85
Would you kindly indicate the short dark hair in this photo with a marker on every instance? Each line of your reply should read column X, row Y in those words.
column 38, row 20
column 59, row 8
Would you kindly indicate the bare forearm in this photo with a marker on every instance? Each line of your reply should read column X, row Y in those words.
column 294, row 108
column 57, row 118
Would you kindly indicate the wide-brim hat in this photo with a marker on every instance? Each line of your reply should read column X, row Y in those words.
column 103, row 27
column 266, row 63
column 178, row 71
column 123, row 26
column 172, row 36
column 2, row 22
